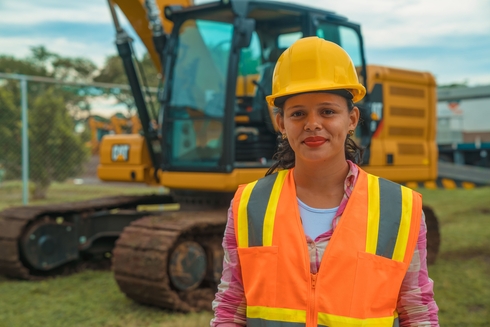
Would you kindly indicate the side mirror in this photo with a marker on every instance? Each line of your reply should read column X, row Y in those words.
column 244, row 28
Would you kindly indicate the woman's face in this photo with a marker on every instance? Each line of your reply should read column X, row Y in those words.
column 316, row 125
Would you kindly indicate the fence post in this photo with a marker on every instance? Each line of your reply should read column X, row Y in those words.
column 25, row 143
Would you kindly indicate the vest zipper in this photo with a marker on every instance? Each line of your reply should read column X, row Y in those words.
column 312, row 319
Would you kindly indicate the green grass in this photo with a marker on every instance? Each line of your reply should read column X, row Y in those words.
column 462, row 271
column 11, row 192
column 92, row 298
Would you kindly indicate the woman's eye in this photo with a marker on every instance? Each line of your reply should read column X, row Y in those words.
column 296, row 114
column 328, row 112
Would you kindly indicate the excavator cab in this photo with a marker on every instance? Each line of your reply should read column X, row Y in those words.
column 215, row 130
column 218, row 71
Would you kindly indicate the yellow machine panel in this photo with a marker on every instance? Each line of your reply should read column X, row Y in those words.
column 213, row 182
column 125, row 158
column 403, row 145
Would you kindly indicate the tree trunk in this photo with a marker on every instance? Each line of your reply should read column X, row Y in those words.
column 40, row 190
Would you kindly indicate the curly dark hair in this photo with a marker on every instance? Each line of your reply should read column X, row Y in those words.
column 285, row 157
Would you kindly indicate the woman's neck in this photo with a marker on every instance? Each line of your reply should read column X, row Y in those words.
column 321, row 185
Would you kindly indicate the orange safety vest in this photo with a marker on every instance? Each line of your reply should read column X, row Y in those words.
column 362, row 268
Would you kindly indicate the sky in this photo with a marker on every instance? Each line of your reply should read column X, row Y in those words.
column 450, row 39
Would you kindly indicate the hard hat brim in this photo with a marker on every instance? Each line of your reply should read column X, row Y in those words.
column 278, row 102
column 358, row 92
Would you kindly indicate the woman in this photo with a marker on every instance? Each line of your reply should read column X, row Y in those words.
column 317, row 209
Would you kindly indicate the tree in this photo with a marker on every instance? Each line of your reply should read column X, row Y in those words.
column 113, row 72
column 41, row 62
column 56, row 151
column 10, row 135
column 453, row 85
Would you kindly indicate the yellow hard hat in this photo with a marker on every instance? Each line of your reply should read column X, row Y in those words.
column 313, row 64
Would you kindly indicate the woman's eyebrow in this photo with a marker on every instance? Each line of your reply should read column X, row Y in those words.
column 328, row 104
column 298, row 106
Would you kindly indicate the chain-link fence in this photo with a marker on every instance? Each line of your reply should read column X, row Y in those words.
column 50, row 132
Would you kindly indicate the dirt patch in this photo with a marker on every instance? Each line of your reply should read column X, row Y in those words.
column 485, row 210
column 475, row 308
column 468, row 253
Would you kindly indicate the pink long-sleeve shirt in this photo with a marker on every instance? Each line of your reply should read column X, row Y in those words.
column 416, row 305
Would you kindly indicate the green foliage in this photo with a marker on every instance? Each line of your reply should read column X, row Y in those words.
column 453, row 85
column 47, row 64
column 10, row 135
column 113, row 72
column 56, row 151
column 59, row 153
column 62, row 68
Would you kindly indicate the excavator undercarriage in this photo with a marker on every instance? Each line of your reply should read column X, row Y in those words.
column 171, row 259
column 41, row 241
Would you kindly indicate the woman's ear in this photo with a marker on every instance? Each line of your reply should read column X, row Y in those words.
column 354, row 115
column 280, row 123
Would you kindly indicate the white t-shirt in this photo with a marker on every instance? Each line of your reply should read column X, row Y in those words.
column 316, row 221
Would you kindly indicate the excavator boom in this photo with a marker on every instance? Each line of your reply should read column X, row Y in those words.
column 136, row 11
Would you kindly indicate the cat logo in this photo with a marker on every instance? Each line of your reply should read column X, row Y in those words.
column 120, row 152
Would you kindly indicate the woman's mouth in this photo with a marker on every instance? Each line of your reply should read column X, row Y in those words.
column 314, row 141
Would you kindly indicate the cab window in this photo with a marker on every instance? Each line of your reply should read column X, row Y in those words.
column 344, row 36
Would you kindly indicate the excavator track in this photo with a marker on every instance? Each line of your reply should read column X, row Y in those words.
column 172, row 261
column 30, row 236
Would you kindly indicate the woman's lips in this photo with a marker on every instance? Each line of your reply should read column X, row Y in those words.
column 314, row 141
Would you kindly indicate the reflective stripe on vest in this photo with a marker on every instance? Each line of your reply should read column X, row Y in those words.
column 390, row 212
column 386, row 230
column 277, row 317
column 257, row 210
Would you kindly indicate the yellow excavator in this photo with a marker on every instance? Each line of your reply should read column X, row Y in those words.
column 212, row 132
column 116, row 124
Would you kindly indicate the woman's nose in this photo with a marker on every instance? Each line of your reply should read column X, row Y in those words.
column 312, row 123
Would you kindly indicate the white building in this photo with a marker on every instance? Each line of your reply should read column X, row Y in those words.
column 463, row 115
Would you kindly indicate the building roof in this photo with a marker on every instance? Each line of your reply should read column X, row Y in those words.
column 461, row 93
